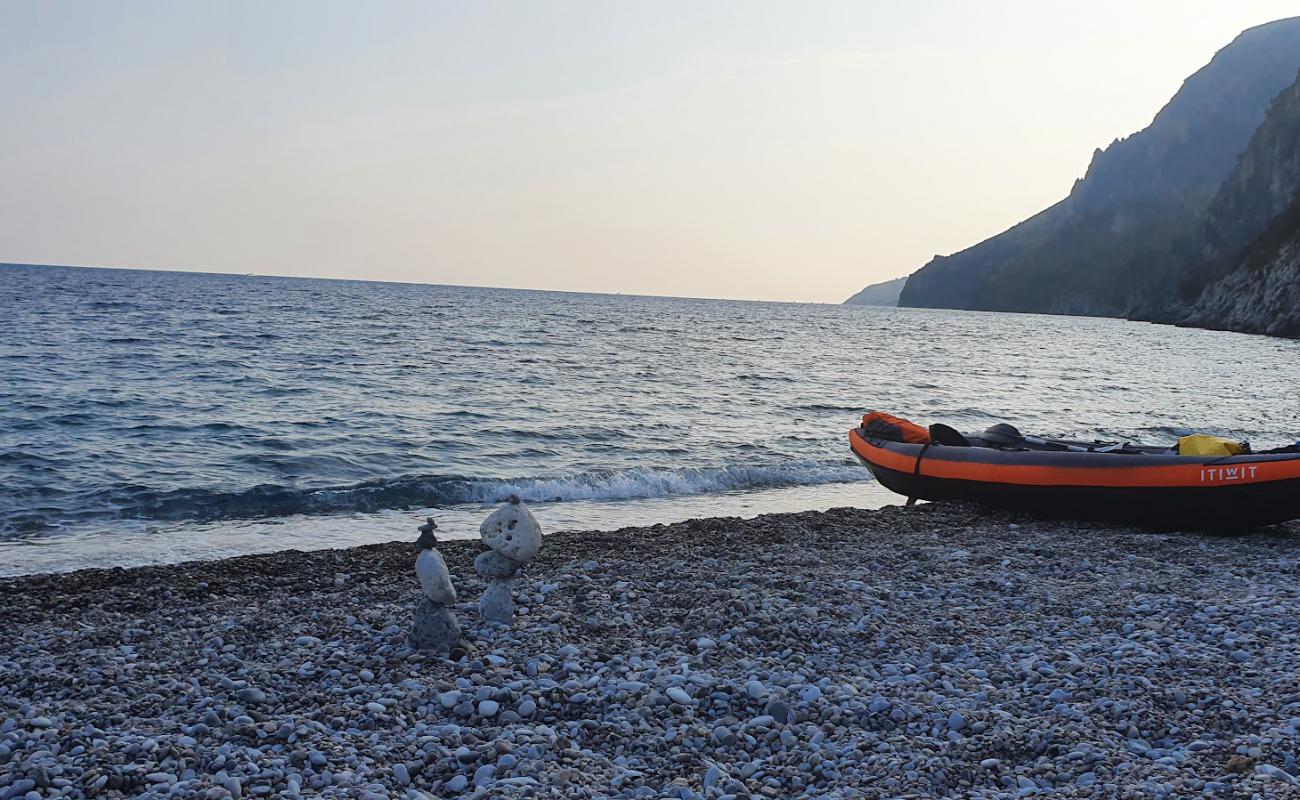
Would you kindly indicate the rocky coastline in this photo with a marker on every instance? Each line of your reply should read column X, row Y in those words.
column 915, row 652
column 1198, row 231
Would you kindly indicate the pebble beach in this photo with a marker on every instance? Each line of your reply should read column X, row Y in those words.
column 931, row 651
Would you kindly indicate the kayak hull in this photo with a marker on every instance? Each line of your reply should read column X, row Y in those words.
column 1167, row 491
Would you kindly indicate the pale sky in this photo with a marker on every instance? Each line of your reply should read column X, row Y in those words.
column 763, row 150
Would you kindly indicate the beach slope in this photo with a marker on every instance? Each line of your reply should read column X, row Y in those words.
column 930, row 651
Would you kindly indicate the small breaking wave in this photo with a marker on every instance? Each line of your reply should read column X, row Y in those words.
column 641, row 483
column 425, row 491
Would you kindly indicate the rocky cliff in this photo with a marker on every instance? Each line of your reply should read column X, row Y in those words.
column 1135, row 225
column 878, row 294
column 1262, row 295
column 1251, row 217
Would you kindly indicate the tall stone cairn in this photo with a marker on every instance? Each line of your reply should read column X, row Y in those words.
column 434, row 627
column 514, row 539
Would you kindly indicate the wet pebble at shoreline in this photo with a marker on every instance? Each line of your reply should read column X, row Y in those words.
column 929, row 651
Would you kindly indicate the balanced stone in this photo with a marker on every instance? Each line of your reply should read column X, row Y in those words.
column 435, row 579
column 491, row 564
column 514, row 538
column 434, row 626
column 497, row 603
column 512, row 531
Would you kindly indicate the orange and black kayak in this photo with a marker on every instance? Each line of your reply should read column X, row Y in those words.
column 1143, row 485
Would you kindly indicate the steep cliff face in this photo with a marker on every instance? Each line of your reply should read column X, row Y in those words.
column 1262, row 186
column 1262, row 294
column 1247, row 274
column 1134, row 224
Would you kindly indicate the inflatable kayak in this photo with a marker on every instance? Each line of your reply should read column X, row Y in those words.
column 1158, row 486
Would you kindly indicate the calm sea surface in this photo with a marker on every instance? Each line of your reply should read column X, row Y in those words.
column 152, row 416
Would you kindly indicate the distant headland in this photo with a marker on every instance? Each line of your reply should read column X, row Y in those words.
column 1194, row 220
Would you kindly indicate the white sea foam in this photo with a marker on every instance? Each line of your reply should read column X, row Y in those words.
column 647, row 482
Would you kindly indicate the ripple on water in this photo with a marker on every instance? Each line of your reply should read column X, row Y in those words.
column 147, row 398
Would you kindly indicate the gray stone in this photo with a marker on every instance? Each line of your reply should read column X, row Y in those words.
column 435, row 579
column 712, row 776
column 512, row 531
column 778, row 710
column 428, row 539
column 498, row 603
column 1276, row 773
column 484, row 774
column 458, row 783
column 251, row 696
column 435, row 627
column 491, row 564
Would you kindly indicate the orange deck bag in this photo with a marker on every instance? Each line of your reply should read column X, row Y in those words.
column 895, row 429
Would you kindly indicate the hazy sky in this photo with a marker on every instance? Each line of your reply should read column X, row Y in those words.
column 770, row 150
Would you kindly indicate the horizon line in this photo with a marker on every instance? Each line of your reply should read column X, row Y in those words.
column 427, row 283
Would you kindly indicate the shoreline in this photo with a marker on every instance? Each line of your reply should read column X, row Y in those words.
column 848, row 653
column 150, row 544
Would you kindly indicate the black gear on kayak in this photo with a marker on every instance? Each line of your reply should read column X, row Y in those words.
column 1002, row 434
column 947, row 435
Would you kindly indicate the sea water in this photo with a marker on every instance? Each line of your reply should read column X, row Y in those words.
column 157, row 416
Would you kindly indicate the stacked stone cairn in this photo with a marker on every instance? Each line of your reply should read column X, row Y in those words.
column 435, row 627
column 514, row 539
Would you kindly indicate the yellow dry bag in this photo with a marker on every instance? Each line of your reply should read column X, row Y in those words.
column 1203, row 444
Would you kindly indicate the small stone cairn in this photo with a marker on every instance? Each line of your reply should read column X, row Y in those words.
column 515, row 539
column 435, row 626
